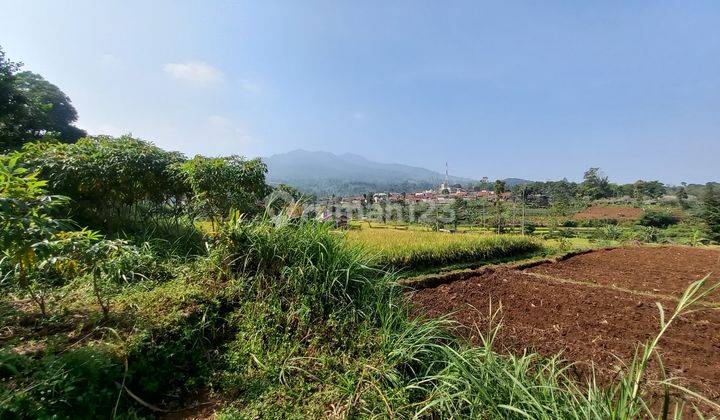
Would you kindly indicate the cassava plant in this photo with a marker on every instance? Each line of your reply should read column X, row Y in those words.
column 26, row 227
column 107, row 261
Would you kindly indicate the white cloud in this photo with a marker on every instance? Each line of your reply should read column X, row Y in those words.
column 195, row 72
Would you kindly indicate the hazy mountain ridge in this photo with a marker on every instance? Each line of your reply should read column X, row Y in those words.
column 325, row 173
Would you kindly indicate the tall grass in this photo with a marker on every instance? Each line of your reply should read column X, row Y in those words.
column 407, row 366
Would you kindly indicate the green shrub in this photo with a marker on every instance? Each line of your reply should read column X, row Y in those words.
column 110, row 179
column 711, row 211
column 529, row 227
column 657, row 219
column 570, row 223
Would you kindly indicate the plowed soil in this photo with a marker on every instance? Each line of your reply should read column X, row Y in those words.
column 666, row 270
column 594, row 307
column 618, row 213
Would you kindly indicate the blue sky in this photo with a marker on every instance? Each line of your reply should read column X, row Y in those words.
column 538, row 90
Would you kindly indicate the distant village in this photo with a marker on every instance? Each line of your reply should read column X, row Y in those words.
column 439, row 196
column 445, row 193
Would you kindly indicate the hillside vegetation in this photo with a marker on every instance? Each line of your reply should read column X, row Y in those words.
column 140, row 313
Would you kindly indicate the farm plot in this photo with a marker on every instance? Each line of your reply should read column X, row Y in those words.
column 592, row 308
column 411, row 249
column 665, row 270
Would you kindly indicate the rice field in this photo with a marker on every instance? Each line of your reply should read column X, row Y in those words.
column 421, row 249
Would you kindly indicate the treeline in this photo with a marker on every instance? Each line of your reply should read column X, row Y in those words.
column 111, row 181
column 596, row 186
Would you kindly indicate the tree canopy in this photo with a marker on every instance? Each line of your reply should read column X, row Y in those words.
column 31, row 108
column 595, row 184
column 105, row 175
column 222, row 184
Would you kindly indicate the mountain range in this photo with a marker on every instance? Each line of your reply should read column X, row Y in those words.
column 324, row 173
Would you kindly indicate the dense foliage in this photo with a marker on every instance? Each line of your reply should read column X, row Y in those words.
column 220, row 185
column 109, row 179
column 711, row 211
column 658, row 219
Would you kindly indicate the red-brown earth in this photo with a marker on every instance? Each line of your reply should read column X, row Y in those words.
column 595, row 308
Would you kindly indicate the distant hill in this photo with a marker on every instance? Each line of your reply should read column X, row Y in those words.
column 511, row 182
column 324, row 173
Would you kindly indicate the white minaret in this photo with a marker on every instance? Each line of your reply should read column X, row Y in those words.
column 445, row 185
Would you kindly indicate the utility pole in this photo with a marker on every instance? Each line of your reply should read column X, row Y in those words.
column 482, row 205
column 523, row 211
column 512, row 218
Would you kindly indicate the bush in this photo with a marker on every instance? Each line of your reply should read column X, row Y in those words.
column 570, row 223
column 657, row 219
column 221, row 185
column 711, row 211
column 530, row 227
column 560, row 233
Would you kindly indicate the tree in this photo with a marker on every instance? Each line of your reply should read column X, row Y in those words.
column 32, row 108
column 499, row 188
column 595, row 185
column 681, row 195
column 654, row 189
column 220, row 185
column 460, row 211
column 49, row 110
column 711, row 211
column 484, row 184
column 639, row 192
column 12, row 102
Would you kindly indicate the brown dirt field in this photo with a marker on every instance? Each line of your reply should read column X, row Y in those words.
column 549, row 309
column 619, row 213
column 666, row 270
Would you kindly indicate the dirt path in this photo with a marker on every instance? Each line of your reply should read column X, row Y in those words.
column 594, row 307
